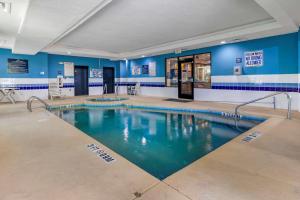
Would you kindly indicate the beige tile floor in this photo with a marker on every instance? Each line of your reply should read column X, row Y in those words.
column 43, row 157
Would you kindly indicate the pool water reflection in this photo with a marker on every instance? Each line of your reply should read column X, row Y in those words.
column 158, row 142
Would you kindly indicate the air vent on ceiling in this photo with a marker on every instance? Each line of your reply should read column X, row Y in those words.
column 5, row 6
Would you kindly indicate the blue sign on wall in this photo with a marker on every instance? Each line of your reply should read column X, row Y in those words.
column 238, row 60
column 145, row 69
column 17, row 66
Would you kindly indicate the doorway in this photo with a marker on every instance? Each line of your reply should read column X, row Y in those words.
column 81, row 80
column 186, row 78
column 109, row 79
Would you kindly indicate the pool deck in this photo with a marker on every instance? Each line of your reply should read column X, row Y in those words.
column 43, row 157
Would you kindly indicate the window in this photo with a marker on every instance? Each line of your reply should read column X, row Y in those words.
column 172, row 72
column 202, row 69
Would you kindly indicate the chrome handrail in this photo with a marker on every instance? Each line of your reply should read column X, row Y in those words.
column 289, row 98
column 117, row 89
column 104, row 90
column 30, row 100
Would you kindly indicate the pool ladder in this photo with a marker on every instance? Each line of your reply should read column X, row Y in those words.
column 31, row 99
column 288, row 96
column 105, row 90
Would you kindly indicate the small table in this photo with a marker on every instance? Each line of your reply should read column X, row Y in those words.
column 7, row 94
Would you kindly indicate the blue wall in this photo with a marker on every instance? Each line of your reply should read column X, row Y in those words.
column 160, row 65
column 36, row 64
column 123, row 68
column 280, row 57
column 55, row 67
column 49, row 64
column 299, row 51
column 92, row 63
column 109, row 63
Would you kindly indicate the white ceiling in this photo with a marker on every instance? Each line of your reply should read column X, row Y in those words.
column 130, row 25
column 292, row 7
column 47, row 20
column 9, row 22
column 130, row 28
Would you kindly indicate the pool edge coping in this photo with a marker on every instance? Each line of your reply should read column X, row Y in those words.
column 161, row 108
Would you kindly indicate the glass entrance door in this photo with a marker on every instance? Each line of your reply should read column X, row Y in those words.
column 186, row 79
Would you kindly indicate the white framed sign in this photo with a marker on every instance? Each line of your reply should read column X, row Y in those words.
column 135, row 70
column 96, row 73
column 152, row 68
column 68, row 69
column 254, row 58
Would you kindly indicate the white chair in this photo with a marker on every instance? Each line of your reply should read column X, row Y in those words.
column 55, row 91
column 136, row 89
column 7, row 93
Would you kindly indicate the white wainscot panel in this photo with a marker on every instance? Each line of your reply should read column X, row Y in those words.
column 69, row 92
column 122, row 89
column 95, row 80
column 167, row 92
column 95, row 90
column 266, row 78
column 24, row 95
column 240, row 96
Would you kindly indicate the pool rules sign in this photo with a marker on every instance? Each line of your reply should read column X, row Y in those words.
column 254, row 58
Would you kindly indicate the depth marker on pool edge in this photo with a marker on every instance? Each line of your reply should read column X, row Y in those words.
column 101, row 153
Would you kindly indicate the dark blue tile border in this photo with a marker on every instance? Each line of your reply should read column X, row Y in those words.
column 26, row 86
column 279, row 87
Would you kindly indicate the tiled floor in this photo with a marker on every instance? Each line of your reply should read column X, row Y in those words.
column 42, row 157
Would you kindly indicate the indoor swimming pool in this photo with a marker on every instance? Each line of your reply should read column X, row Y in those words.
column 160, row 141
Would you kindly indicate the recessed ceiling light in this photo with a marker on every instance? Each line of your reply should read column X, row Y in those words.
column 69, row 52
column 178, row 51
column 143, row 56
column 223, row 42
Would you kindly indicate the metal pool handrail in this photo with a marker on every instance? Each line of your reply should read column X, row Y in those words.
column 117, row 90
column 30, row 100
column 289, row 98
column 104, row 90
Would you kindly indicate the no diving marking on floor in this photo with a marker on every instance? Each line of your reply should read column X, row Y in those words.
column 251, row 137
column 101, row 153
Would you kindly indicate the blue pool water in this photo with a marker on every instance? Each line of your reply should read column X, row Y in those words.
column 161, row 143
column 108, row 99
